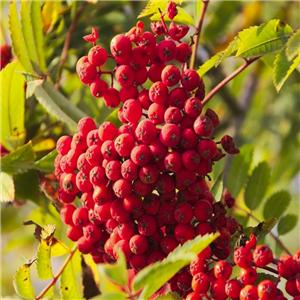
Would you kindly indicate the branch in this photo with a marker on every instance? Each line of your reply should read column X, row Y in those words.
column 64, row 53
column 276, row 238
column 198, row 32
column 228, row 78
column 53, row 281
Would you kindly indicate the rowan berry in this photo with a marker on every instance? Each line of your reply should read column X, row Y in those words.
column 222, row 270
column 262, row 255
column 167, row 50
column 242, row 257
column 266, row 290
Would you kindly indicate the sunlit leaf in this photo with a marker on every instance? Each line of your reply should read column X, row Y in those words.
column 17, row 38
column 46, row 163
column 208, row 65
column 50, row 13
column 19, row 160
column 22, row 282
column 257, row 185
column 217, row 188
column 293, row 46
column 265, row 39
column 58, row 247
column 277, row 204
column 238, row 171
column 287, row 223
column 152, row 8
column 7, row 187
column 44, row 145
column 12, row 106
column 283, row 68
column 43, row 262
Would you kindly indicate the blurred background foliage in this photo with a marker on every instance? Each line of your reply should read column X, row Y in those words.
column 249, row 108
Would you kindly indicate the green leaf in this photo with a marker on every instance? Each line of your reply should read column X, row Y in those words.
column 23, row 190
column 117, row 272
column 262, row 229
column 28, row 33
column 12, row 106
column 257, row 185
column 46, row 163
column 52, row 108
column 43, row 262
column 17, row 38
column 19, row 160
column 113, row 117
column 50, row 13
column 265, row 39
column 168, row 296
column 287, row 223
column 293, row 45
column 22, row 282
column 238, row 171
column 68, row 286
column 264, row 276
column 283, row 68
column 217, row 188
column 36, row 19
column 182, row 17
column 64, row 104
column 277, row 204
column 32, row 81
column 152, row 8
column 208, row 64
column 156, row 275
column 7, row 187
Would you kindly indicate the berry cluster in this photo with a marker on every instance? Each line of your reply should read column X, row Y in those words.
column 218, row 279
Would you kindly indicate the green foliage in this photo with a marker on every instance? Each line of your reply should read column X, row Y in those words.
column 265, row 276
column 217, row 188
column 43, row 263
column 257, row 185
column 23, row 190
column 46, row 163
column 19, row 160
column 293, row 46
column 277, row 204
column 238, row 171
column 7, row 187
column 12, row 107
column 22, row 282
column 287, row 223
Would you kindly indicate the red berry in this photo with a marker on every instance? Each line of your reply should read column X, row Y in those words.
column 262, row 255
column 266, row 290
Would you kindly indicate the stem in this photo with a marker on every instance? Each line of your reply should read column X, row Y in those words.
column 64, row 53
column 228, row 78
column 197, row 33
column 276, row 238
column 268, row 269
column 44, row 291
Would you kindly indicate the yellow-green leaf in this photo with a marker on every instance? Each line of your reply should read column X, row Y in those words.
column 22, row 282
column 7, row 188
column 43, row 261
column 293, row 46
column 12, row 106
column 59, row 248
column 50, row 14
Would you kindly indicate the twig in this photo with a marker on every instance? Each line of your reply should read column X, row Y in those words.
column 64, row 53
column 198, row 32
column 276, row 238
column 228, row 78
column 53, row 281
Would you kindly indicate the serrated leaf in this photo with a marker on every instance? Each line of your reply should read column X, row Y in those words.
column 68, row 285
column 7, row 188
column 17, row 38
column 182, row 17
column 43, row 262
column 50, row 14
column 46, row 163
column 28, row 33
column 36, row 18
column 49, row 104
column 12, row 107
column 257, row 185
column 117, row 272
column 22, row 282
column 293, row 45
column 19, row 160
column 217, row 188
column 154, row 276
column 283, row 68
column 262, row 229
column 168, row 296
column 64, row 104
column 287, row 223
column 152, row 8
column 32, row 80
column 208, row 64
column 277, row 204
column 265, row 276
column 265, row 39
column 238, row 171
